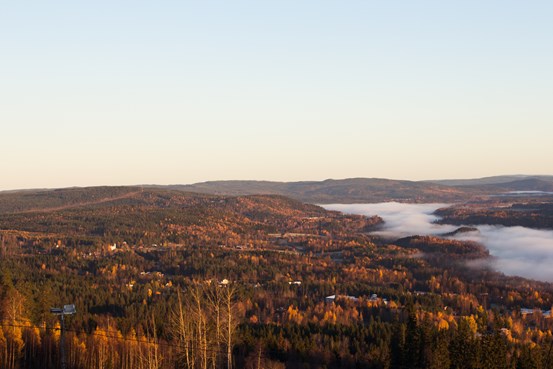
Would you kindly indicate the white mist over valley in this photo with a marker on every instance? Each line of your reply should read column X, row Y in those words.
column 520, row 251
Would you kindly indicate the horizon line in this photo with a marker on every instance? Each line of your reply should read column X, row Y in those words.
column 264, row 180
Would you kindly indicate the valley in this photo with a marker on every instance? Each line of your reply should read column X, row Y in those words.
column 304, row 285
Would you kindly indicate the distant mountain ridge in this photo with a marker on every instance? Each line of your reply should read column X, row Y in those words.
column 527, row 184
column 352, row 190
column 377, row 189
column 331, row 190
column 495, row 180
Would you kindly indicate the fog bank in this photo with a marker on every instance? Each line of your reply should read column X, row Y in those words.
column 519, row 251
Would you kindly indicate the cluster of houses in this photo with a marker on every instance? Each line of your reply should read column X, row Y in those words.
column 374, row 298
column 544, row 313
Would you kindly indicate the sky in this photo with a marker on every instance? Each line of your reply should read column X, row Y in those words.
column 136, row 92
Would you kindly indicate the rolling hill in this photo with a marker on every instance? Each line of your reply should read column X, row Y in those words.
column 332, row 191
column 352, row 190
column 492, row 181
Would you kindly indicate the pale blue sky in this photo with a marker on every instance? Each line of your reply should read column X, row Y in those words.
column 129, row 92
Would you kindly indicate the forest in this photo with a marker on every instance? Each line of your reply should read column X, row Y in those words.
column 523, row 210
column 169, row 279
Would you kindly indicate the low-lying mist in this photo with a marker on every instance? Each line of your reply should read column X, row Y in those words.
column 518, row 251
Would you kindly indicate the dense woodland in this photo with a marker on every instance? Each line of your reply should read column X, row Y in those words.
column 166, row 279
column 526, row 211
column 370, row 190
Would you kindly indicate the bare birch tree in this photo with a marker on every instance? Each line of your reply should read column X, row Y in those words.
column 231, row 322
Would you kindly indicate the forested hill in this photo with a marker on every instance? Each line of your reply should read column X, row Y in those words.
column 139, row 216
column 510, row 180
column 90, row 198
column 368, row 190
column 352, row 190
column 65, row 198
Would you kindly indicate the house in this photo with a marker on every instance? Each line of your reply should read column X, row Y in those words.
column 374, row 298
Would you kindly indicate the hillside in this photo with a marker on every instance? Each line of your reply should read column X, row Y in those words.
column 352, row 190
column 145, row 267
column 526, row 184
column 333, row 191
column 495, row 180
column 525, row 211
column 40, row 200
column 369, row 190
column 143, row 216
